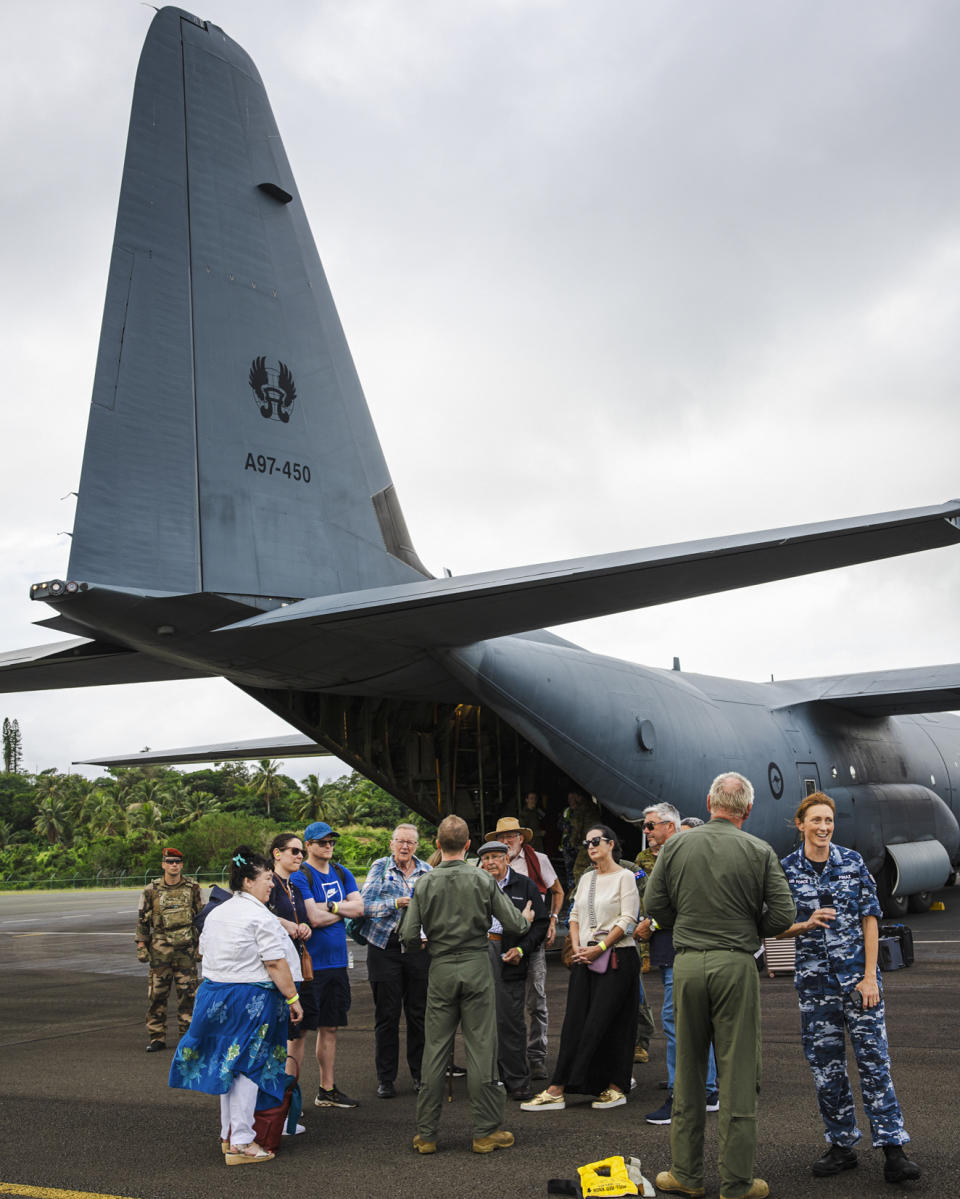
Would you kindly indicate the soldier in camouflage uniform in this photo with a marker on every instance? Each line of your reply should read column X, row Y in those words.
column 167, row 939
column 839, row 985
column 645, row 1025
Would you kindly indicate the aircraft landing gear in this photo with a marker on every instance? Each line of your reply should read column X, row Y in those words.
column 894, row 906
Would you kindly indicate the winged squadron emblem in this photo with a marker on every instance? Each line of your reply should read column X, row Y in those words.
column 274, row 388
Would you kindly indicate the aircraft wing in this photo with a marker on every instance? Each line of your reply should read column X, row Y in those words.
column 293, row 746
column 82, row 663
column 885, row 692
column 449, row 612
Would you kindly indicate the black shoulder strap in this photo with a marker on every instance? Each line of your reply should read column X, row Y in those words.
column 341, row 875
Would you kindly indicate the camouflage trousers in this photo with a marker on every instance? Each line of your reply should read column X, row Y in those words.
column 823, row 1017
column 180, row 971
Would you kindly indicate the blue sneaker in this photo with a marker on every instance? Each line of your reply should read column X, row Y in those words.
column 662, row 1115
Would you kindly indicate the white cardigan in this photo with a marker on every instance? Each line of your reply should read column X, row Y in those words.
column 617, row 901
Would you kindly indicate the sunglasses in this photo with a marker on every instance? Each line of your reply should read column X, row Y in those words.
column 328, row 844
column 650, row 825
column 593, row 842
column 290, row 849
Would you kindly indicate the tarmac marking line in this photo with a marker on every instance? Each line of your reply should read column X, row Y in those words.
column 76, row 933
column 16, row 1188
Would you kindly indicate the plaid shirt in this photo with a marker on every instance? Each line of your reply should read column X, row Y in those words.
column 386, row 883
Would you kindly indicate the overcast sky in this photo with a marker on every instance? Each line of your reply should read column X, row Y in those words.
column 614, row 274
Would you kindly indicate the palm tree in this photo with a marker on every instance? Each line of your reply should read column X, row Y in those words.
column 312, row 805
column 145, row 817
column 266, row 782
column 51, row 819
column 107, row 818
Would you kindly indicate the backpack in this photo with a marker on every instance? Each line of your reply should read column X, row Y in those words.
column 217, row 897
column 355, row 926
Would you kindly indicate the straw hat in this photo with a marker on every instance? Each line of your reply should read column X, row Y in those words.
column 509, row 824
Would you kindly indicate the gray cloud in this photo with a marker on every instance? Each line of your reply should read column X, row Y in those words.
column 612, row 274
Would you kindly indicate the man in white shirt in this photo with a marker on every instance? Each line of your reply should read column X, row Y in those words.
column 525, row 860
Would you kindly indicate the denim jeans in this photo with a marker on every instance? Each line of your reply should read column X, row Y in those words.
column 666, row 1019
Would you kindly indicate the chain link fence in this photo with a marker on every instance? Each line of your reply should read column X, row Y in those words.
column 123, row 878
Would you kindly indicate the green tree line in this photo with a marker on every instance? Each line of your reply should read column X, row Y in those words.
column 55, row 825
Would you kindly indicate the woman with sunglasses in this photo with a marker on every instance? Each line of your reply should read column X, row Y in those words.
column 286, row 903
column 600, row 1023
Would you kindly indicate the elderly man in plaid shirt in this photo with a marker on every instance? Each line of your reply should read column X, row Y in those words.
column 397, row 980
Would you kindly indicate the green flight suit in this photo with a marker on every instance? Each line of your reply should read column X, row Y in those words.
column 165, row 924
column 455, row 904
column 720, row 891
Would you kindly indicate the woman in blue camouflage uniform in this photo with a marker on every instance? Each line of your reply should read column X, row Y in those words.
column 839, row 986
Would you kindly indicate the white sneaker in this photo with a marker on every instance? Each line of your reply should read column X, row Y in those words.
column 544, row 1101
column 300, row 1128
column 609, row 1098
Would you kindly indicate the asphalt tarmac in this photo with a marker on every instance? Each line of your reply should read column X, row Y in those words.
column 84, row 1109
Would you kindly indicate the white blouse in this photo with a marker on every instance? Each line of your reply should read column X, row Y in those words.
column 239, row 936
column 616, row 901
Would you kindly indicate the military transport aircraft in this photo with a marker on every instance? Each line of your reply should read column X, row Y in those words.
column 236, row 518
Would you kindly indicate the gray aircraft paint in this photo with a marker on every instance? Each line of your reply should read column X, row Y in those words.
column 236, row 517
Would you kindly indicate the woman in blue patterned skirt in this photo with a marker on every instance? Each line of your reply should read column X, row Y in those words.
column 236, row 1044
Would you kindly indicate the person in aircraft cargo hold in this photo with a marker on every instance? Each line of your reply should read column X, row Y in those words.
column 839, row 985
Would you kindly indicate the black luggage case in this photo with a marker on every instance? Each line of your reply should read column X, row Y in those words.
column 903, row 934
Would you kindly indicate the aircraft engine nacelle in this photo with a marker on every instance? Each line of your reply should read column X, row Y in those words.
column 906, row 834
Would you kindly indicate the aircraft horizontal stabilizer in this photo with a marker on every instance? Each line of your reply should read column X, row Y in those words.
column 293, row 746
column 82, row 663
column 449, row 612
column 886, row 692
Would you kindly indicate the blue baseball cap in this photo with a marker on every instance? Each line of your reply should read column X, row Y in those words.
column 318, row 830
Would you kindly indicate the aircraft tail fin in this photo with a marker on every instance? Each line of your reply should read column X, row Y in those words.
column 229, row 446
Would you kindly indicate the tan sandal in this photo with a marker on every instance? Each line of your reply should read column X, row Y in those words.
column 247, row 1155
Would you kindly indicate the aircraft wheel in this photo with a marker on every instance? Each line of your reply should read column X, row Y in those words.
column 920, row 902
column 894, row 906
column 951, row 879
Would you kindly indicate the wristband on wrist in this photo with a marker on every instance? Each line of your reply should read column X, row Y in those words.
column 294, row 998
column 336, row 908
column 603, row 945
column 554, row 916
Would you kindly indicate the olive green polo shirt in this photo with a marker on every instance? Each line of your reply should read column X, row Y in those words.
column 718, row 887
column 454, row 904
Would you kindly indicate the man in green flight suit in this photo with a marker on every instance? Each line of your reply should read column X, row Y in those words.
column 454, row 904
column 167, row 939
column 720, row 890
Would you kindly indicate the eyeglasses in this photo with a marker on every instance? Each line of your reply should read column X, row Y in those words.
column 413, row 844
column 290, row 849
column 650, row 825
column 593, row 842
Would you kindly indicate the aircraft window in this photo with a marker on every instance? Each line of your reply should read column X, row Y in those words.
column 809, row 786
column 853, row 772
column 933, row 781
column 834, row 771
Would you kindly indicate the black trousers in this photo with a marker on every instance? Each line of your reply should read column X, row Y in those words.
column 399, row 983
column 600, row 1027
column 511, row 1025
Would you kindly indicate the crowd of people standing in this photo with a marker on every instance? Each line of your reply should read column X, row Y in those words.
column 455, row 946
